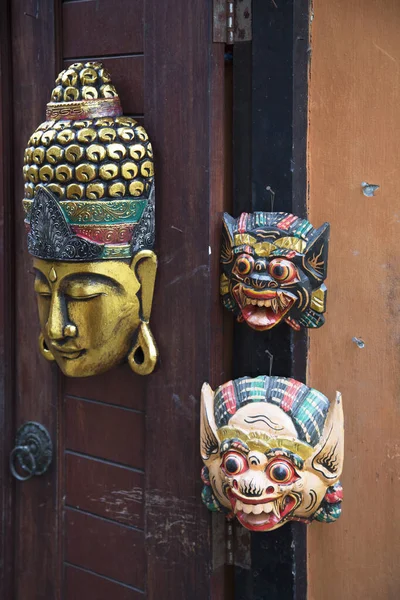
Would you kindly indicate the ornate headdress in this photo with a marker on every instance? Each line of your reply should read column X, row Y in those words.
column 307, row 407
column 88, row 171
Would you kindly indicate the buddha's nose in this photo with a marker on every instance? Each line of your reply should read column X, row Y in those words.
column 58, row 325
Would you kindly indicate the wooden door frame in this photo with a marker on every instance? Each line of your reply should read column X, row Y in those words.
column 270, row 159
column 6, row 304
column 35, row 61
column 191, row 69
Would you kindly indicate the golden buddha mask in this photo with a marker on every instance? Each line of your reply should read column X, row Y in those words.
column 273, row 452
column 89, row 205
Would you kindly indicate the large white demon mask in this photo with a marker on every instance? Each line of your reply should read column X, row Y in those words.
column 273, row 452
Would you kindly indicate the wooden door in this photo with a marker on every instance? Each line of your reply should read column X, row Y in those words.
column 354, row 126
column 119, row 514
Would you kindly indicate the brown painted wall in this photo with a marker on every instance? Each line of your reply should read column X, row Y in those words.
column 354, row 137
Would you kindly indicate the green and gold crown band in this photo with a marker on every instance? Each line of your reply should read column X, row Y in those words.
column 88, row 173
column 84, row 109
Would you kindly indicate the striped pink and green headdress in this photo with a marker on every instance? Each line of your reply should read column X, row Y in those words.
column 307, row 407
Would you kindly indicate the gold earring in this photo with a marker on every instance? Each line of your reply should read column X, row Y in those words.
column 143, row 356
column 44, row 351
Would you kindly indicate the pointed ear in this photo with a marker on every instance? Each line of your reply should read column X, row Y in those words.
column 208, row 429
column 228, row 229
column 328, row 458
column 229, row 226
column 144, row 265
column 315, row 260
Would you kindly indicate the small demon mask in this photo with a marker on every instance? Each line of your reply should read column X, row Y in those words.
column 89, row 216
column 273, row 452
column 274, row 266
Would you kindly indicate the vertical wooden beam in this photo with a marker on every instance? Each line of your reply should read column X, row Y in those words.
column 179, row 90
column 36, row 399
column 222, row 580
column 270, row 93
column 6, row 304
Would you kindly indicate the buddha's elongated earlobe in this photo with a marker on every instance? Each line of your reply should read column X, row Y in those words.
column 143, row 356
column 144, row 265
column 44, row 351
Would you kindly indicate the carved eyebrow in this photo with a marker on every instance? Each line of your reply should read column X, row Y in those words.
column 277, row 452
column 266, row 233
column 243, row 249
column 92, row 278
column 234, row 444
column 251, row 419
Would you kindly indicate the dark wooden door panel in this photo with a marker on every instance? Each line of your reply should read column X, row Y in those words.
column 7, row 313
column 105, row 431
column 102, row 28
column 179, row 92
column 107, row 490
column 126, row 466
column 36, row 501
column 104, row 423
column 80, row 584
column 120, row 387
column 105, row 548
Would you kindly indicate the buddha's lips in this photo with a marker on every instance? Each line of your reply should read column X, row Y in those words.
column 67, row 352
column 261, row 515
column 263, row 309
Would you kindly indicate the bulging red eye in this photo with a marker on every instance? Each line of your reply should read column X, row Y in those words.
column 282, row 270
column 281, row 471
column 234, row 463
column 244, row 264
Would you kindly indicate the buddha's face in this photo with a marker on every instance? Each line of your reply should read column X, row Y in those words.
column 89, row 312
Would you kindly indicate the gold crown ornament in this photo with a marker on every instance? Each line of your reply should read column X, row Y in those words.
column 93, row 168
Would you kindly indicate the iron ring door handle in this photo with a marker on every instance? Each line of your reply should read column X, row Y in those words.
column 33, row 451
column 31, row 470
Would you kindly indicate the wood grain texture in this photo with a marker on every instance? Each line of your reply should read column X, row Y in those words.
column 120, row 387
column 36, row 502
column 105, row 548
column 95, row 28
column 354, row 137
column 127, row 74
column 98, row 426
column 106, row 490
column 83, row 584
column 108, row 432
column 7, row 313
column 221, row 583
column 177, row 92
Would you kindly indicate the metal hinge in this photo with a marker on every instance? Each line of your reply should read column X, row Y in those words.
column 232, row 21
